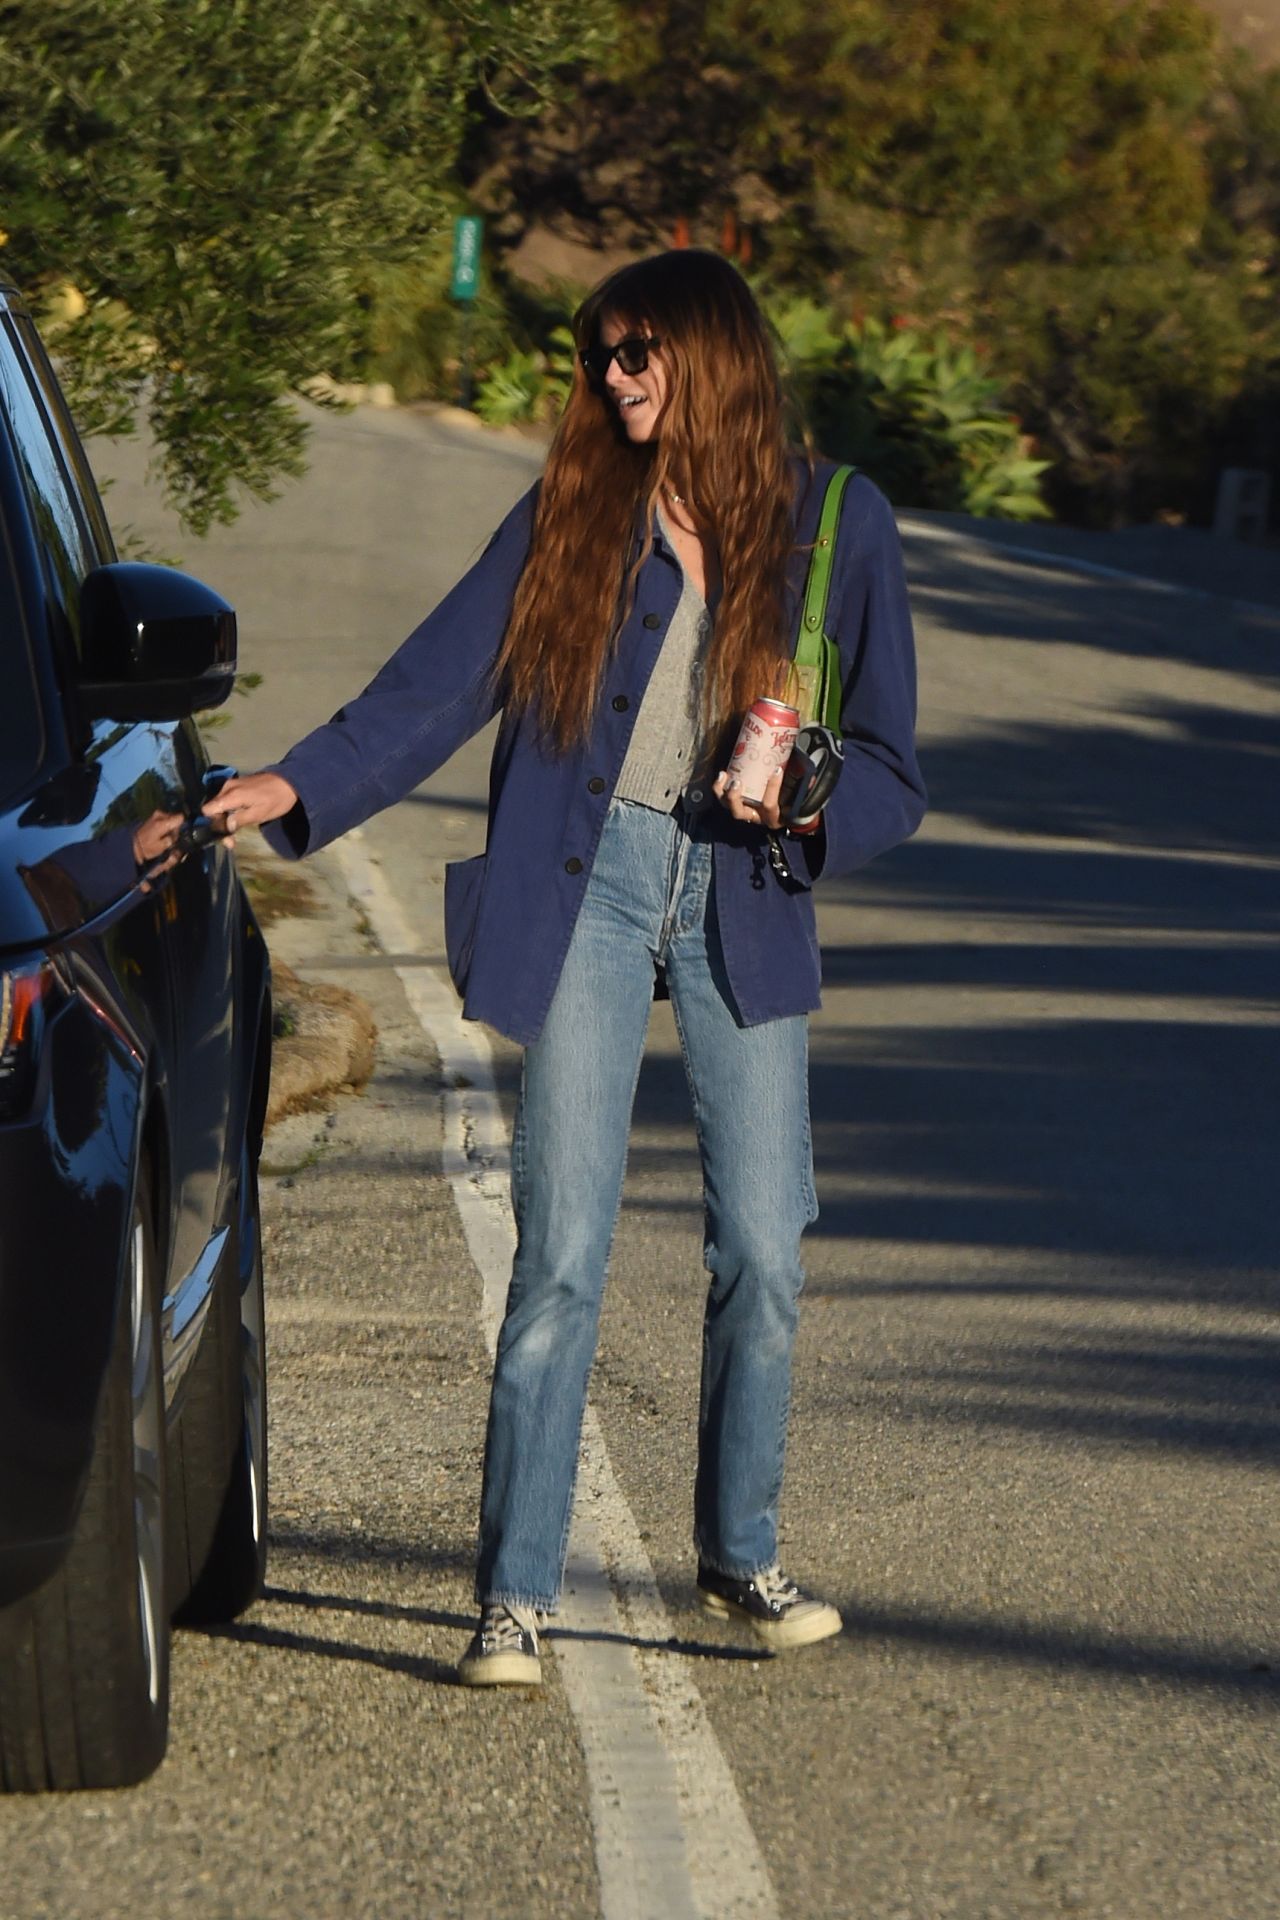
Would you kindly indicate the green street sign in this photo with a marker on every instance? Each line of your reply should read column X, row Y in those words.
column 466, row 258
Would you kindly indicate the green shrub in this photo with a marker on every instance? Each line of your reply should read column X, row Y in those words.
column 512, row 390
column 921, row 416
column 530, row 385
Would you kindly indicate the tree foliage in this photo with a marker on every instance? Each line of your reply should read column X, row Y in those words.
column 1084, row 194
column 195, row 194
column 1086, row 190
column 1085, row 187
column 1056, row 128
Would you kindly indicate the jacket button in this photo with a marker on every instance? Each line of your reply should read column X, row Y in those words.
column 620, row 703
column 652, row 620
column 595, row 784
column 574, row 865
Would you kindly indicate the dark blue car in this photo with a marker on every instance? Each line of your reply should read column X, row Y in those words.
column 134, row 1057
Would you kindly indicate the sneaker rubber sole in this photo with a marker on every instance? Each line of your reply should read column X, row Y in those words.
column 813, row 1620
column 500, row 1670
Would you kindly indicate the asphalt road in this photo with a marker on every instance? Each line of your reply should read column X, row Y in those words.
column 1036, row 1424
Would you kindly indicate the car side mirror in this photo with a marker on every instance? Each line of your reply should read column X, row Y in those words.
column 154, row 644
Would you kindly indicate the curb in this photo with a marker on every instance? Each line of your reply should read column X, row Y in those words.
column 323, row 1043
column 323, row 1036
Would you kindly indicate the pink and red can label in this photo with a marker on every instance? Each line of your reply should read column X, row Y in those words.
column 764, row 745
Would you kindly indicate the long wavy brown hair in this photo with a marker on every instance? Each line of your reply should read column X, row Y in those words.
column 720, row 444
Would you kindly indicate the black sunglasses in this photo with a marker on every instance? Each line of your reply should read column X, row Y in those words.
column 631, row 354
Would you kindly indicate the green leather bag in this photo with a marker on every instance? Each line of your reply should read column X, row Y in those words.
column 814, row 683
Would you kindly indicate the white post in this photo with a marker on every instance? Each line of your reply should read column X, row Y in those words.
column 1244, row 504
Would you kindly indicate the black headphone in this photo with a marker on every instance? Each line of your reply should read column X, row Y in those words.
column 811, row 774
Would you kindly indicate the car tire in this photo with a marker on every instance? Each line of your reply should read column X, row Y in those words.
column 84, row 1663
column 220, row 1458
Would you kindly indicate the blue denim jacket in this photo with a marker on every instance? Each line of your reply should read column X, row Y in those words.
column 509, row 912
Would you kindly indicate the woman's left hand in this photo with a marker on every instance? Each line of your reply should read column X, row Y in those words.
column 756, row 813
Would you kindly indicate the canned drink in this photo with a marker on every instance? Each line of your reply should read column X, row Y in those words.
column 764, row 744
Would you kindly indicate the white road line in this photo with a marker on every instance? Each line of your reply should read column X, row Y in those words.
column 672, row 1839
column 1044, row 557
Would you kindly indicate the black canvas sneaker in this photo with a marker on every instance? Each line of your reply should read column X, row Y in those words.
column 504, row 1652
column 772, row 1606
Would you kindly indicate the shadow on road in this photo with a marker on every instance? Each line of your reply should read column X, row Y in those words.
column 416, row 1666
column 260, row 1633
column 1168, row 775
column 367, row 1609
column 996, row 601
column 1225, row 1671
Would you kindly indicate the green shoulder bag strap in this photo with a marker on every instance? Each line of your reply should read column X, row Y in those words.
column 818, row 687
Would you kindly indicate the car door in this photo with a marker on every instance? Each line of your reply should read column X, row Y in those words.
column 168, row 954
column 200, row 903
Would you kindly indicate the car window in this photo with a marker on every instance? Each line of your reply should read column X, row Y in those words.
column 59, row 417
column 21, row 722
column 64, row 540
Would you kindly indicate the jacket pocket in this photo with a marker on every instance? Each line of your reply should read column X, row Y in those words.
column 463, row 885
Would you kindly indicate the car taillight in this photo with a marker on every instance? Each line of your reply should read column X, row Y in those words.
column 23, row 995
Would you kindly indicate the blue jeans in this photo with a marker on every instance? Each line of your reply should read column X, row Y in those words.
column 649, row 898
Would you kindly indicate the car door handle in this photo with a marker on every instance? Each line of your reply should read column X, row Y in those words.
column 199, row 832
column 213, row 779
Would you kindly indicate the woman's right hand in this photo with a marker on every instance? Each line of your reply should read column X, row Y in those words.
column 250, row 800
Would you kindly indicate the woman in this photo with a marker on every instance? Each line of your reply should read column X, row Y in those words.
column 623, row 617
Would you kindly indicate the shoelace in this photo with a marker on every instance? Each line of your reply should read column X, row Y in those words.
column 775, row 1587
column 501, row 1632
